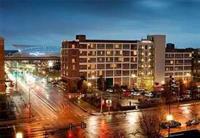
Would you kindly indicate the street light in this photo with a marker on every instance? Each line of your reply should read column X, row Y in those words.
column 169, row 118
column 89, row 84
column 19, row 135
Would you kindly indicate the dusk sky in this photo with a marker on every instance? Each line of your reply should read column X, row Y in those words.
column 48, row 22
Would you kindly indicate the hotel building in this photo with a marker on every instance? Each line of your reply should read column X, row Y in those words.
column 178, row 63
column 125, row 62
column 2, row 73
column 196, row 65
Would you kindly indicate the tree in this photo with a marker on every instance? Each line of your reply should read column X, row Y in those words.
column 81, row 84
column 149, row 124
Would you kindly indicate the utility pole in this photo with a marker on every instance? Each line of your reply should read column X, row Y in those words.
column 101, row 110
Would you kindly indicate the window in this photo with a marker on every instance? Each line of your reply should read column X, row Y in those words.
column 108, row 52
column 73, row 60
column 134, row 52
column 126, row 46
column 116, row 46
column 73, row 46
column 73, row 67
column 171, row 62
column 109, row 46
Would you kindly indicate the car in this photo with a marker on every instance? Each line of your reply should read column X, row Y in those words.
column 171, row 124
column 109, row 90
column 148, row 94
column 136, row 93
column 192, row 122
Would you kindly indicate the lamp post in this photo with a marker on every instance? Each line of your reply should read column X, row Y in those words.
column 19, row 135
column 169, row 118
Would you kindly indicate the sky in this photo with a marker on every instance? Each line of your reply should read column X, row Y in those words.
column 48, row 22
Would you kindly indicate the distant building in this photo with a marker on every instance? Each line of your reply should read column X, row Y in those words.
column 196, row 65
column 178, row 63
column 2, row 72
column 10, row 52
column 125, row 62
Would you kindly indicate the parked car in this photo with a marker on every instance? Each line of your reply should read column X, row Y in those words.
column 192, row 122
column 109, row 90
column 136, row 93
column 171, row 124
column 148, row 94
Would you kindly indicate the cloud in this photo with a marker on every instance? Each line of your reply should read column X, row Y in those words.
column 50, row 21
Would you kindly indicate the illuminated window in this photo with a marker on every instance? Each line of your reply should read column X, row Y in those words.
column 116, row 46
column 120, row 59
column 113, row 65
column 108, row 52
column 73, row 60
column 73, row 46
column 91, row 46
column 100, row 72
column 142, row 59
column 101, row 52
column 121, row 52
column 171, row 62
column 73, row 67
column 149, row 54
column 134, row 52
column 93, row 53
column 190, row 55
column 92, row 66
column 142, row 53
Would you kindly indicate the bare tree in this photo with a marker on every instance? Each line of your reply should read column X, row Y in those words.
column 149, row 123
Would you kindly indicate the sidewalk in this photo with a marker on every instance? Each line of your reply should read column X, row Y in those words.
column 86, row 107
column 94, row 111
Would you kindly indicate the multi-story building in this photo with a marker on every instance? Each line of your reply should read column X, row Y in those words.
column 196, row 65
column 123, row 62
column 178, row 63
column 2, row 73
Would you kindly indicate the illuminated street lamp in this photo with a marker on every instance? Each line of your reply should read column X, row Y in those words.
column 169, row 118
column 89, row 84
column 19, row 135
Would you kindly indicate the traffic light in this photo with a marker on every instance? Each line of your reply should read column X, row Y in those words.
column 83, row 125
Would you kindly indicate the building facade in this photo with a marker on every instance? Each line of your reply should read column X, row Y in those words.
column 178, row 63
column 2, row 72
column 124, row 62
column 196, row 65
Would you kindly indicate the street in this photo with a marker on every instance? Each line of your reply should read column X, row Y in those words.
column 51, row 111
